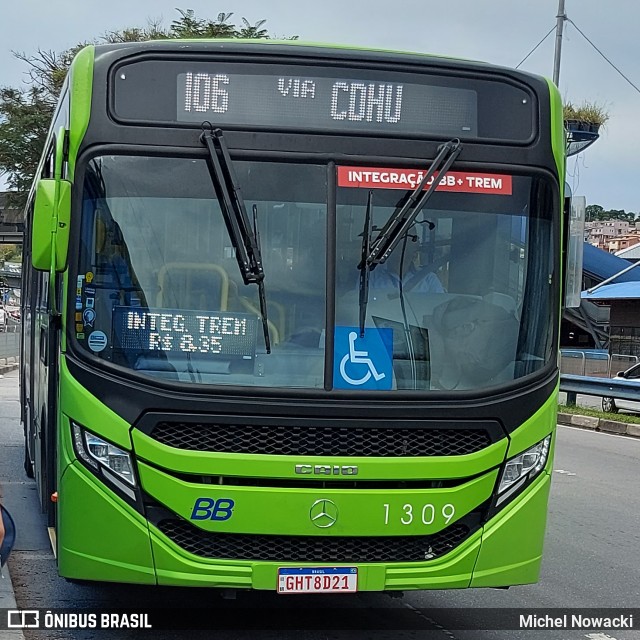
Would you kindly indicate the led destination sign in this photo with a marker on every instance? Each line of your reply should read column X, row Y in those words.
column 325, row 103
column 180, row 331
column 414, row 103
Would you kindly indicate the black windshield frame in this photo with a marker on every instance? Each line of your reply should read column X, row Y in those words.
column 130, row 107
column 330, row 273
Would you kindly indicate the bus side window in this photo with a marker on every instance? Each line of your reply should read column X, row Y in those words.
column 49, row 164
column 42, row 290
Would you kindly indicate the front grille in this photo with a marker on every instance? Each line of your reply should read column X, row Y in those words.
column 320, row 549
column 334, row 440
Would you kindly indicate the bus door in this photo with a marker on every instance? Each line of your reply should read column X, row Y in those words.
column 44, row 399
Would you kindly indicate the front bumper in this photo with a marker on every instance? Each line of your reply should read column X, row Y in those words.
column 507, row 550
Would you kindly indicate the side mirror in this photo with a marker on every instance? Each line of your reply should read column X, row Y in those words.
column 51, row 214
column 42, row 223
column 621, row 374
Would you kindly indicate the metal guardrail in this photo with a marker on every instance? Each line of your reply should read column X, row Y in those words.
column 9, row 345
column 621, row 362
column 592, row 362
column 585, row 363
column 11, row 237
column 602, row 387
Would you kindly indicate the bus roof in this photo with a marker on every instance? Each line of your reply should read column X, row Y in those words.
column 312, row 49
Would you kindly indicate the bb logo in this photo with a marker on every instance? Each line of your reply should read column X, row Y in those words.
column 211, row 509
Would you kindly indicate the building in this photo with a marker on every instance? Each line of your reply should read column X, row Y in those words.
column 623, row 301
column 11, row 221
column 632, row 254
column 588, row 326
column 600, row 232
column 615, row 245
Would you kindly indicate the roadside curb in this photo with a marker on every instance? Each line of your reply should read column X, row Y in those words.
column 8, row 601
column 599, row 424
column 6, row 368
column 7, row 592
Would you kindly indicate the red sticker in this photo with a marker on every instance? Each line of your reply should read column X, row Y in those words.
column 456, row 181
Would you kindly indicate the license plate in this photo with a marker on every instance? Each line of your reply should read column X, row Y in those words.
column 318, row 580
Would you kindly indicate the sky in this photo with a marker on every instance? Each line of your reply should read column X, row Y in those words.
column 497, row 31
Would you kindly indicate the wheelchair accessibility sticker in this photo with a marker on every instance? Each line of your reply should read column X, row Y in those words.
column 363, row 363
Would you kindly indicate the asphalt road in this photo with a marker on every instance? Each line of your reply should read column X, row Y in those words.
column 591, row 560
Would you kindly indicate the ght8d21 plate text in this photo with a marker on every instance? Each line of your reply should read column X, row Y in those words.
column 318, row 580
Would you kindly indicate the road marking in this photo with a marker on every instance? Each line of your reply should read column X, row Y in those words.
column 438, row 626
column 566, row 473
column 599, row 636
column 601, row 433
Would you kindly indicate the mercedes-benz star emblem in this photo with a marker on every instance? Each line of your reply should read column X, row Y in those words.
column 323, row 513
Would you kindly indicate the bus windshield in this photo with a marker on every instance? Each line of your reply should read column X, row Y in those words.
column 159, row 290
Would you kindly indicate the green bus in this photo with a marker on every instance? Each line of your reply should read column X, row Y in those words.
column 290, row 318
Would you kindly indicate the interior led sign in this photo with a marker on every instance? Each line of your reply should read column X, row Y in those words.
column 189, row 332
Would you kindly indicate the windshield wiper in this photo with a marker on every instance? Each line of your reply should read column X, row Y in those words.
column 261, row 294
column 364, row 265
column 245, row 240
column 400, row 221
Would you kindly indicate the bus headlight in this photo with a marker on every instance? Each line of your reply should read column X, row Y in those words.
column 100, row 455
column 525, row 466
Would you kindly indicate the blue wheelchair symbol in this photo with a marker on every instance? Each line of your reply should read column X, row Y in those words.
column 363, row 363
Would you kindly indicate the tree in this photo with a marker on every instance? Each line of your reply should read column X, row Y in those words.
column 594, row 212
column 25, row 115
column 10, row 253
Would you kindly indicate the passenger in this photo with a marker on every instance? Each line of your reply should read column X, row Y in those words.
column 415, row 279
column 480, row 343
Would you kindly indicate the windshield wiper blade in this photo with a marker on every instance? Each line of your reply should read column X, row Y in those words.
column 243, row 237
column 261, row 294
column 233, row 208
column 364, row 265
column 400, row 222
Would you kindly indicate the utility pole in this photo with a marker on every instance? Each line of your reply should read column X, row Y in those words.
column 561, row 17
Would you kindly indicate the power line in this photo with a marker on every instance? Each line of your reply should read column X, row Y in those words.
column 534, row 48
column 602, row 54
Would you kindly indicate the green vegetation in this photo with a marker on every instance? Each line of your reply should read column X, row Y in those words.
column 10, row 253
column 25, row 114
column 596, row 212
column 585, row 411
column 588, row 112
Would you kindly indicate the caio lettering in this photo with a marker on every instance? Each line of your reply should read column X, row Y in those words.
column 326, row 470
